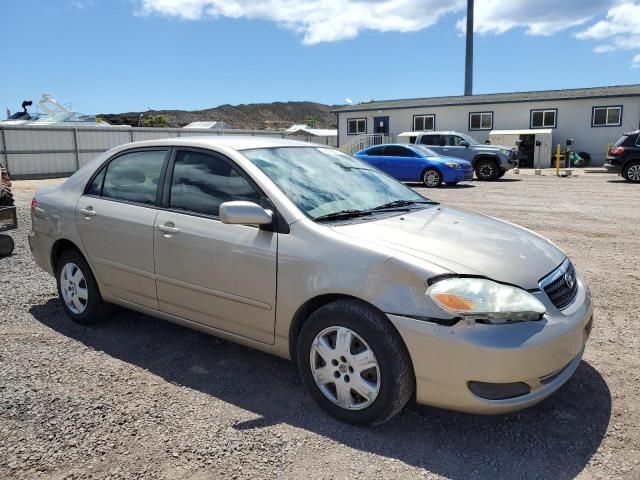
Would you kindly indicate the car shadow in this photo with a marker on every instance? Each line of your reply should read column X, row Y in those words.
column 443, row 186
column 554, row 439
column 619, row 180
column 506, row 180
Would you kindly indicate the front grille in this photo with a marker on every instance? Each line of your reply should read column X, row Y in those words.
column 560, row 291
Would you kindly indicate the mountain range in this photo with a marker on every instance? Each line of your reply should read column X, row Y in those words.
column 255, row 116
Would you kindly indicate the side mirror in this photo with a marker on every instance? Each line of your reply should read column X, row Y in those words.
column 464, row 143
column 244, row 213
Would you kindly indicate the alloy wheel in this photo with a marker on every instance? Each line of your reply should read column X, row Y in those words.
column 345, row 368
column 73, row 286
column 634, row 172
column 487, row 170
column 431, row 178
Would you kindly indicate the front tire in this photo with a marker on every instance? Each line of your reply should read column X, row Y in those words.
column 432, row 178
column 78, row 290
column 354, row 363
column 631, row 172
column 487, row 170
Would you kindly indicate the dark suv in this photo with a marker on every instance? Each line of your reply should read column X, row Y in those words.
column 624, row 157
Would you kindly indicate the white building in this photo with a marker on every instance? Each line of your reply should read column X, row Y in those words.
column 592, row 117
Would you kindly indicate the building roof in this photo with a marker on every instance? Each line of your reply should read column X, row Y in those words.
column 314, row 132
column 208, row 125
column 514, row 97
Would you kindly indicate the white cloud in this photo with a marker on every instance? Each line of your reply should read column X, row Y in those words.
column 318, row 21
column 334, row 20
column 537, row 17
column 620, row 30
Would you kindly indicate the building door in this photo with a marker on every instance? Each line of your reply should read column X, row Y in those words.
column 381, row 125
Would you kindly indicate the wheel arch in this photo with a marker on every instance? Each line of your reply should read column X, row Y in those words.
column 59, row 247
column 309, row 307
column 630, row 161
column 485, row 156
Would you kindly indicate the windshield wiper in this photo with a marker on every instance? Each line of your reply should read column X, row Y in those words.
column 343, row 214
column 404, row 203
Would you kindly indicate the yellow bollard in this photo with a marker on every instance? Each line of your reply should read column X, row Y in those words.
column 558, row 160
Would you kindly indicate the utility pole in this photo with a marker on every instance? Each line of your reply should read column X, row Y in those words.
column 468, row 69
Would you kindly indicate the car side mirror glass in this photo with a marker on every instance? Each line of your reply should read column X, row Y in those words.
column 464, row 143
column 244, row 213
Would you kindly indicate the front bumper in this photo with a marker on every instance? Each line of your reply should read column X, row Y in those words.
column 542, row 354
column 457, row 175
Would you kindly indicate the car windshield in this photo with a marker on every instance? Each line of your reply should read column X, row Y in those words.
column 424, row 150
column 323, row 181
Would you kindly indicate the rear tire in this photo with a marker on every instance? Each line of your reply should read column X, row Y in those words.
column 347, row 347
column 432, row 178
column 6, row 197
column 6, row 245
column 78, row 290
column 631, row 172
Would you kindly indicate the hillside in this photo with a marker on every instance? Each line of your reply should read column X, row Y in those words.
column 257, row 116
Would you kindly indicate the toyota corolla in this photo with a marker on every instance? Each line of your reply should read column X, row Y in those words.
column 376, row 292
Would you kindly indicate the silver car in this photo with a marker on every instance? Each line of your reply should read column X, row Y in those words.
column 377, row 293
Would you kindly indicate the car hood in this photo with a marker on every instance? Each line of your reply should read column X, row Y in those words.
column 464, row 243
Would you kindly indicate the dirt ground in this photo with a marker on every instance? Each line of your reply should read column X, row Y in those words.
column 136, row 397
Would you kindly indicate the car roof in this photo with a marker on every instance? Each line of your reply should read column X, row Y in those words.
column 408, row 145
column 441, row 132
column 235, row 142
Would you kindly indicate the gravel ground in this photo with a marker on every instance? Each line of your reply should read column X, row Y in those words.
column 136, row 397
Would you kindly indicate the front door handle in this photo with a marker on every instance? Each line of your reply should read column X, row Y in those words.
column 88, row 212
column 168, row 229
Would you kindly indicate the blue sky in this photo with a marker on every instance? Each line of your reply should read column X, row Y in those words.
column 108, row 56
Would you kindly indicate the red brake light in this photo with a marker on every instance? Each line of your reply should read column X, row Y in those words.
column 34, row 205
column 616, row 151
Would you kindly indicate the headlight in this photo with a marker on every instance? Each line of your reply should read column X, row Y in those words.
column 485, row 300
column 506, row 153
column 453, row 165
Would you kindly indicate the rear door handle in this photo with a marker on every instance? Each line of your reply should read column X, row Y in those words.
column 88, row 212
column 168, row 229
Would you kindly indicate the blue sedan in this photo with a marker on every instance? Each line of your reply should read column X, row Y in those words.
column 416, row 163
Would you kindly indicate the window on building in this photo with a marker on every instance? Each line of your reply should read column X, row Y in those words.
column 544, row 118
column 424, row 122
column 481, row 121
column 356, row 126
column 607, row 116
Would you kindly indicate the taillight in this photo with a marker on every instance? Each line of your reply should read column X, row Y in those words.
column 34, row 205
column 614, row 152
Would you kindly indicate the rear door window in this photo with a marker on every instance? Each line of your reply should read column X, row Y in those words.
column 201, row 182
column 396, row 151
column 132, row 177
column 375, row 152
column 430, row 140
